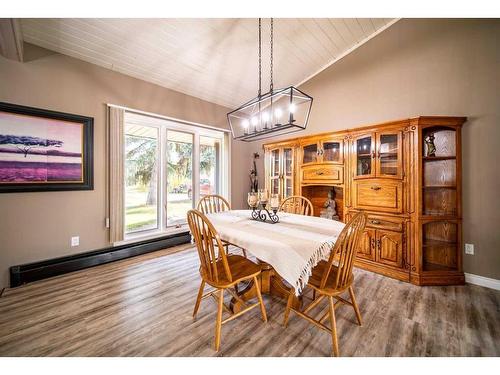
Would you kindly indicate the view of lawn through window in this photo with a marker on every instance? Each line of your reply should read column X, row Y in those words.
column 159, row 173
column 141, row 193
column 179, row 176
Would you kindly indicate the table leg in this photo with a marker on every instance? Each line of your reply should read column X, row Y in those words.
column 270, row 283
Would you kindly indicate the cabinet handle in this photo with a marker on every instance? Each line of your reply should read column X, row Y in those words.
column 373, row 154
column 378, row 244
column 372, row 243
column 375, row 187
column 319, row 173
column 376, row 222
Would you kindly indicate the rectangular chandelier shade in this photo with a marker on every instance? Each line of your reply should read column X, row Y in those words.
column 275, row 113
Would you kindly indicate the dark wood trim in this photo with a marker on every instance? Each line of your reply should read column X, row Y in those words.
column 25, row 273
column 87, row 152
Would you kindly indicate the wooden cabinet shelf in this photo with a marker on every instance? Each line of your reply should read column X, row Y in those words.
column 428, row 266
column 438, row 158
column 438, row 243
column 440, row 187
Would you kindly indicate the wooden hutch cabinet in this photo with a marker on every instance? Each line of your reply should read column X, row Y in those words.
column 404, row 174
column 280, row 169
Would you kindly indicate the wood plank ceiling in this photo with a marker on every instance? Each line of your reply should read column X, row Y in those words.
column 212, row 59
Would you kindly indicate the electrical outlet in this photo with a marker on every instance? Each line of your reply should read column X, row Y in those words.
column 469, row 249
column 75, row 241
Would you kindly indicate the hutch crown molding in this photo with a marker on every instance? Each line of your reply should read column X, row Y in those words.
column 406, row 176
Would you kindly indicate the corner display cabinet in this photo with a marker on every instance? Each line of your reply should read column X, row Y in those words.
column 405, row 175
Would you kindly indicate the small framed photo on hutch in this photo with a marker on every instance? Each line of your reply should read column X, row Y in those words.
column 42, row 150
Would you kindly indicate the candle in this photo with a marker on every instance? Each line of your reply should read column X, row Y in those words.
column 263, row 196
column 275, row 201
column 252, row 199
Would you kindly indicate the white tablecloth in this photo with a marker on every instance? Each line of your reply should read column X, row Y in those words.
column 292, row 247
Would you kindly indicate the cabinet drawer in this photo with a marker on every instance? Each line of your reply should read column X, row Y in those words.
column 378, row 195
column 333, row 173
column 382, row 222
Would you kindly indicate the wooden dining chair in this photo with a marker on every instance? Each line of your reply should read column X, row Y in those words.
column 332, row 278
column 210, row 204
column 297, row 204
column 221, row 271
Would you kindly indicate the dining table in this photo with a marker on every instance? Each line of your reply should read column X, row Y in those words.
column 287, row 250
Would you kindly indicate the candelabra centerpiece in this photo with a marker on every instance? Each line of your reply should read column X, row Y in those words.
column 263, row 206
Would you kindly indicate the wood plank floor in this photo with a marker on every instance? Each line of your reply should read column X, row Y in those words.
column 142, row 307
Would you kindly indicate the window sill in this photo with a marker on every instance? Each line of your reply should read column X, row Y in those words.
column 137, row 237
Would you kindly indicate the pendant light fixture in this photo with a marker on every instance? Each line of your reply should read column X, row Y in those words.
column 274, row 113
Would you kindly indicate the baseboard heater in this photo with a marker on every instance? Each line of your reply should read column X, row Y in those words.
column 26, row 273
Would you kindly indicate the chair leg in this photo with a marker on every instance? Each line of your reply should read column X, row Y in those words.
column 198, row 299
column 244, row 253
column 314, row 294
column 288, row 307
column 259, row 296
column 355, row 305
column 218, row 323
column 335, row 342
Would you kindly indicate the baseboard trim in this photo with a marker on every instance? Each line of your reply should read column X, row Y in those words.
column 482, row 281
column 26, row 273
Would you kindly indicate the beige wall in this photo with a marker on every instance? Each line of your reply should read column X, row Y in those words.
column 429, row 67
column 36, row 226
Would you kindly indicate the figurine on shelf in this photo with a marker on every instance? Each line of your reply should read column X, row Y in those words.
column 330, row 211
column 431, row 147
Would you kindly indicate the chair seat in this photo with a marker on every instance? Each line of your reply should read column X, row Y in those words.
column 317, row 274
column 241, row 269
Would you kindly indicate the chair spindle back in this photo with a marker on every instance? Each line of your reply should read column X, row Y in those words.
column 209, row 251
column 210, row 204
column 344, row 251
column 297, row 204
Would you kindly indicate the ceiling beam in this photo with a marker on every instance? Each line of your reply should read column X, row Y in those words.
column 11, row 39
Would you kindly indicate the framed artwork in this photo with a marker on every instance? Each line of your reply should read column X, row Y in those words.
column 43, row 150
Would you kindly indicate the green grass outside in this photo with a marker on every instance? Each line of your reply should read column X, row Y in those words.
column 139, row 216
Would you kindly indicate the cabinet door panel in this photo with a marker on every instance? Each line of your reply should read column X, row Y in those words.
column 332, row 151
column 366, row 249
column 378, row 195
column 363, row 156
column 310, row 153
column 389, row 163
column 390, row 248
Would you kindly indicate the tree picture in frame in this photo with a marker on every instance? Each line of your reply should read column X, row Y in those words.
column 42, row 150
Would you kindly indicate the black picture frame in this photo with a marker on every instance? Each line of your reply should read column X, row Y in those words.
column 87, row 182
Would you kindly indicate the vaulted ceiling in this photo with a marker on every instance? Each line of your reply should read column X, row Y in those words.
column 212, row 59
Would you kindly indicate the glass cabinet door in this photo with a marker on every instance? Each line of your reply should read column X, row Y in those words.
column 274, row 171
column 389, row 163
column 310, row 153
column 287, row 172
column 363, row 147
column 331, row 152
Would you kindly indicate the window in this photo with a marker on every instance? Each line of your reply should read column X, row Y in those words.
column 168, row 167
column 141, row 178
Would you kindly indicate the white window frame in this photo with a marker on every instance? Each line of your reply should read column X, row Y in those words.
column 164, row 124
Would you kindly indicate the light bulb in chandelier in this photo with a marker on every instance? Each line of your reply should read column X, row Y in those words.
column 265, row 119
column 245, row 123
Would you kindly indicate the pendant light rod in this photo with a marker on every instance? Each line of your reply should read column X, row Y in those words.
column 260, row 57
column 271, row 86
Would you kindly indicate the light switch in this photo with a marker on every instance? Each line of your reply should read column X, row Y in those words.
column 469, row 248
column 75, row 241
